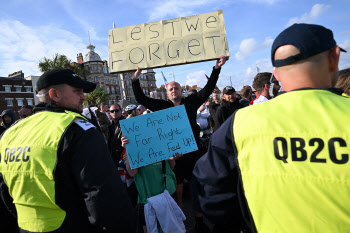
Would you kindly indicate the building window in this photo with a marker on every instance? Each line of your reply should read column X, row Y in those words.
column 30, row 101
column 20, row 102
column 9, row 103
column 116, row 81
column 108, row 91
column 113, row 91
column 111, row 81
column 8, row 88
column 93, row 67
column 90, row 79
column 18, row 89
column 28, row 89
column 96, row 79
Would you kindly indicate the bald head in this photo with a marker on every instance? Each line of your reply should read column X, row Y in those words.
column 174, row 92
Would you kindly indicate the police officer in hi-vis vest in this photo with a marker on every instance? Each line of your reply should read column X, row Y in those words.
column 56, row 174
column 283, row 165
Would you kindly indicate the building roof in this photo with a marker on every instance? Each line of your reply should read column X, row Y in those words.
column 91, row 55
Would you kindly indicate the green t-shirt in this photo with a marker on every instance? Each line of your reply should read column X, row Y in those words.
column 150, row 182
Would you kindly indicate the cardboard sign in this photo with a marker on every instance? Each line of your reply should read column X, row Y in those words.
column 168, row 42
column 158, row 136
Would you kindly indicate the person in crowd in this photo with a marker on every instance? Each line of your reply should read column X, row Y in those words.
column 103, row 118
column 124, row 113
column 295, row 143
column 213, row 106
column 203, row 119
column 124, row 175
column 228, row 105
column 266, row 86
column 344, row 81
column 8, row 118
column 151, row 180
column 131, row 111
column 246, row 93
column 62, row 178
column 26, row 111
column 115, row 133
column 192, row 102
column 141, row 109
column 192, row 91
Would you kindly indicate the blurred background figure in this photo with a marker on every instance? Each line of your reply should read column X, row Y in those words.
column 344, row 81
column 141, row 109
column 8, row 118
column 246, row 94
column 26, row 111
column 103, row 118
column 131, row 111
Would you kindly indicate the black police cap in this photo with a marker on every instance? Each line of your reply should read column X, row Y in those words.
column 63, row 76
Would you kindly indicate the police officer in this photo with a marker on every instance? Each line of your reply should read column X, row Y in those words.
column 56, row 174
column 283, row 165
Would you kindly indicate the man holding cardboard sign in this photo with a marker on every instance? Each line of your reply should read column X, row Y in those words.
column 184, row 166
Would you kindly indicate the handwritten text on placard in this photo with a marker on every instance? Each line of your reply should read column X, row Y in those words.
column 168, row 42
column 158, row 136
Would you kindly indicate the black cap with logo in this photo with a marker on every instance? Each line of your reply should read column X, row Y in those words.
column 63, row 76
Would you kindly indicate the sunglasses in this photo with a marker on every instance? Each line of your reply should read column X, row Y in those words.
column 115, row 110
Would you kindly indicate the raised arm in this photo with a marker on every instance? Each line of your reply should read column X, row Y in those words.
column 150, row 103
column 203, row 94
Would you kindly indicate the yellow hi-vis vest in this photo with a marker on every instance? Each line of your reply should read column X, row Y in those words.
column 293, row 155
column 28, row 158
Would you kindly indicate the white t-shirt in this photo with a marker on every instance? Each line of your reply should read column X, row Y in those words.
column 260, row 100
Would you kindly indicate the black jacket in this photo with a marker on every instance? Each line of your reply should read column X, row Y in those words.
column 213, row 107
column 114, row 140
column 10, row 113
column 224, row 111
column 192, row 102
column 87, row 184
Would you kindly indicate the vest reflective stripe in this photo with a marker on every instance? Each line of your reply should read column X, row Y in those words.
column 296, row 174
column 28, row 160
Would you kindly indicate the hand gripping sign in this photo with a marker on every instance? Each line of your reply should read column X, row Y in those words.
column 158, row 136
column 168, row 42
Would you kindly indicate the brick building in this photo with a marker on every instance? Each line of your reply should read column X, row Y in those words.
column 15, row 91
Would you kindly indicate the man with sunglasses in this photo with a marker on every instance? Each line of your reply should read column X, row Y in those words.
column 115, row 133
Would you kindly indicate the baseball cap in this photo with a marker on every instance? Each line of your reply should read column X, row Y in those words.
column 63, row 76
column 227, row 89
column 310, row 39
column 140, row 106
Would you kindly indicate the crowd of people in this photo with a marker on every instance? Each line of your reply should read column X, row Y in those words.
column 261, row 165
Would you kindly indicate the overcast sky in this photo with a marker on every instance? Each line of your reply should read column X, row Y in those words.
column 31, row 30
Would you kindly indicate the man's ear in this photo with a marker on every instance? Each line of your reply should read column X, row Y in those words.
column 267, row 86
column 275, row 73
column 54, row 95
column 333, row 58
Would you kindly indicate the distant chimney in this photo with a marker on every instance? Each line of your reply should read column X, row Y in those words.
column 18, row 74
column 105, row 64
column 80, row 59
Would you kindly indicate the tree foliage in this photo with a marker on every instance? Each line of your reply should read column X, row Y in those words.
column 98, row 96
column 61, row 61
